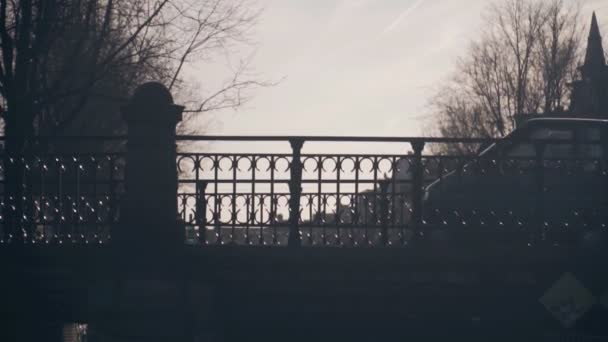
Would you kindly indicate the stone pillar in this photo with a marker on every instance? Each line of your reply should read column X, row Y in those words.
column 142, row 297
column 149, row 210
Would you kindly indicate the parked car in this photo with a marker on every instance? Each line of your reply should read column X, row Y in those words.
column 550, row 168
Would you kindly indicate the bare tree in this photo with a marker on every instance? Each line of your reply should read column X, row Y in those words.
column 558, row 53
column 67, row 65
column 521, row 64
column 518, row 30
column 60, row 56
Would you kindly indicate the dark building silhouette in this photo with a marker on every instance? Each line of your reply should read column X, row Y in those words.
column 589, row 97
column 590, row 92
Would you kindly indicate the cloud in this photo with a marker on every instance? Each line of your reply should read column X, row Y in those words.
column 402, row 16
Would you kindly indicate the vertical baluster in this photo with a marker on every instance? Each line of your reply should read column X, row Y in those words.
column 356, row 203
column 34, row 198
column 324, row 222
column 375, row 214
column 320, row 212
column 183, row 207
column 15, row 201
column 98, row 198
column 43, row 199
column 3, row 217
column 8, row 212
column 217, row 219
column 366, row 216
column 604, row 171
column 248, row 216
column 12, row 184
column 92, row 217
column 452, row 214
column 28, row 202
column 201, row 209
column 112, row 201
column 322, row 202
column 310, row 203
column 338, row 200
column 352, row 198
column 466, row 221
column 295, row 192
column 63, row 199
column 436, row 219
column 402, row 218
column 261, row 237
column 418, row 184
column 76, row 211
column 539, row 177
column 217, row 202
column 393, row 196
column 402, row 206
column 22, row 202
column 60, row 219
column 251, row 201
column 273, row 203
column 235, row 167
column 4, row 226
column 97, row 204
column 383, row 184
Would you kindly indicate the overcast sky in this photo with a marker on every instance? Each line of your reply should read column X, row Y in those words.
column 356, row 67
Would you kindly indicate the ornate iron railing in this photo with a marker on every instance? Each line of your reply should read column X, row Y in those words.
column 363, row 199
column 316, row 199
column 68, row 194
column 296, row 196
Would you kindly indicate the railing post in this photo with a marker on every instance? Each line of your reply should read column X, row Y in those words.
column 201, row 211
column 418, row 185
column 148, row 214
column 295, row 193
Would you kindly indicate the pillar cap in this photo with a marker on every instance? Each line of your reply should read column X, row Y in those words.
column 152, row 92
column 152, row 102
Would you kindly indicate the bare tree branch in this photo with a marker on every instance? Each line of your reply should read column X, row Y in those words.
column 521, row 64
column 66, row 58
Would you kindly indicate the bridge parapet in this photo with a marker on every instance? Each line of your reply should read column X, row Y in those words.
column 310, row 191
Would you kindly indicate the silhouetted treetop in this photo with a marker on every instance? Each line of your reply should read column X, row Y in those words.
column 522, row 63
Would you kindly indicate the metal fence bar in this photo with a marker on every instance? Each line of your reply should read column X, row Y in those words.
column 201, row 211
column 295, row 191
column 417, row 192
column 384, row 211
column 539, row 209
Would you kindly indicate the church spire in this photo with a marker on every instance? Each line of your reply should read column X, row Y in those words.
column 594, row 58
column 589, row 98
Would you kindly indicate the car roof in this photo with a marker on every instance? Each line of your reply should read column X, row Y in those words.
column 536, row 122
column 564, row 121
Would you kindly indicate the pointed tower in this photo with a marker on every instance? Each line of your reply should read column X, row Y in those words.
column 590, row 92
column 595, row 61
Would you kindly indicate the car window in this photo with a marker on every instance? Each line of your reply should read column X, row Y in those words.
column 552, row 150
column 592, row 148
column 522, row 150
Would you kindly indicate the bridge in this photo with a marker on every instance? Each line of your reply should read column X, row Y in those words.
column 157, row 236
